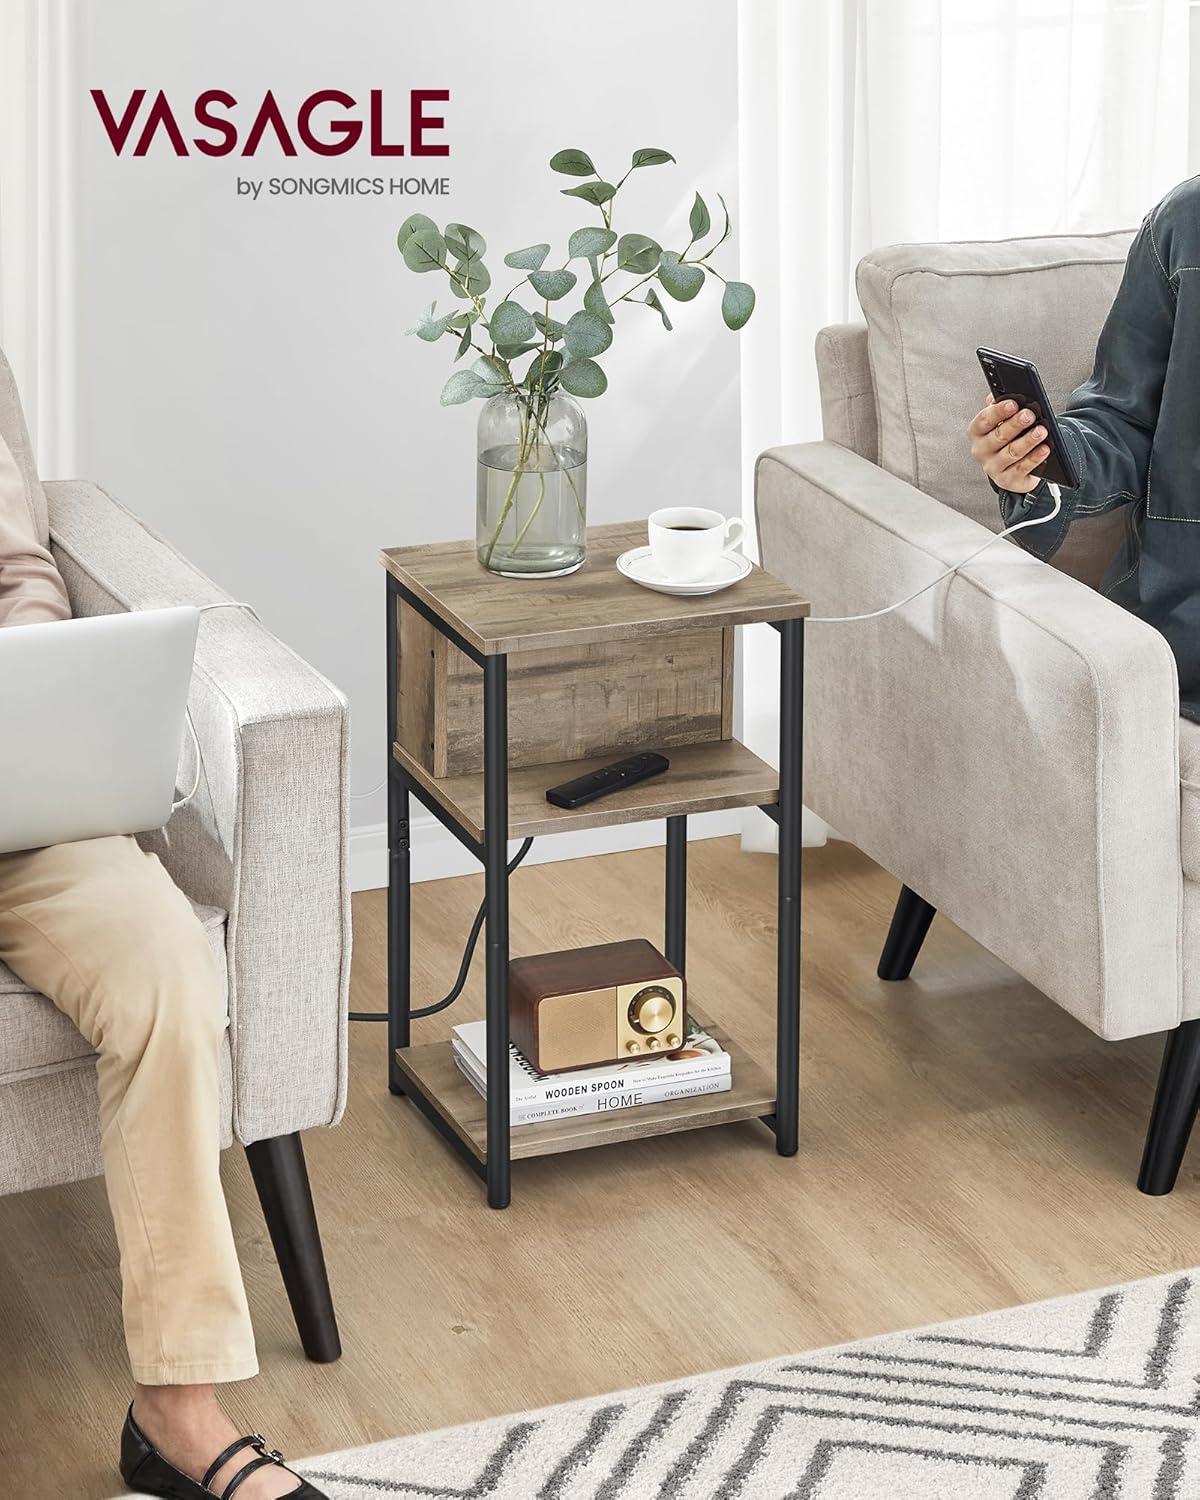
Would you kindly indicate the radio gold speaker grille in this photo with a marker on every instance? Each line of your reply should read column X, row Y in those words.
column 577, row 1026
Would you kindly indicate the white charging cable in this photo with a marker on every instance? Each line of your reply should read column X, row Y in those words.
column 202, row 609
column 874, row 614
column 191, row 724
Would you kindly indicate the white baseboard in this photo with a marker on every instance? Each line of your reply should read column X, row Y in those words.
column 437, row 854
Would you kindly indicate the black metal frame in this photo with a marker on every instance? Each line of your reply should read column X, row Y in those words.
column 495, row 870
column 791, row 812
column 675, row 920
column 492, row 853
column 399, row 906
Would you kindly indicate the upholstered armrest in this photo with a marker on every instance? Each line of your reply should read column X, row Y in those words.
column 1007, row 744
column 265, row 837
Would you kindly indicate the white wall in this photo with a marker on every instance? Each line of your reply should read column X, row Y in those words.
column 243, row 379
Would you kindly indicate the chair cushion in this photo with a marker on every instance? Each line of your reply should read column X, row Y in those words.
column 36, row 1038
column 929, row 307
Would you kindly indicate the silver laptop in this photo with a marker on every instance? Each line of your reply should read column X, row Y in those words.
column 91, row 724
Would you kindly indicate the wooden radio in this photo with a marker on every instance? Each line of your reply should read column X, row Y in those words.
column 588, row 1006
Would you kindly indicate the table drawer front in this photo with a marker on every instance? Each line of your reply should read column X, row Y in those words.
column 567, row 703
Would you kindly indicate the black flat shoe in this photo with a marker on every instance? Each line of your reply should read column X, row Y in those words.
column 145, row 1470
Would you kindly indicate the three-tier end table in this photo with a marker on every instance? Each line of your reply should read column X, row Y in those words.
column 498, row 688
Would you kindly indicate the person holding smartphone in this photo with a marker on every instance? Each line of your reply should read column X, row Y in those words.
column 1132, row 432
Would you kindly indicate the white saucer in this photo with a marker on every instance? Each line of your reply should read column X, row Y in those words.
column 639, row 566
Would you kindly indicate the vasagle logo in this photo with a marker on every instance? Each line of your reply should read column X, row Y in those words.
column 327, row 123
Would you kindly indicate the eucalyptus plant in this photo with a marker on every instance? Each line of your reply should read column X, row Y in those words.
column 530, row 352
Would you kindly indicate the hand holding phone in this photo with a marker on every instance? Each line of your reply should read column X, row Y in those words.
column 1016, row 439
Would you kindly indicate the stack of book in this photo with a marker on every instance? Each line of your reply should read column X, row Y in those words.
column 700, row 1066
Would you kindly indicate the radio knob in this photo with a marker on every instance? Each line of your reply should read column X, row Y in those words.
column 673, row 1042
column 653, row 1010
column 652, row 1044
column 633, row 1046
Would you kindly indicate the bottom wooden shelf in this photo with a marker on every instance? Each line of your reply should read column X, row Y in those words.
column 431, row 1069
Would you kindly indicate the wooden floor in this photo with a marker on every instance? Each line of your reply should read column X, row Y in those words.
column 965, row 1146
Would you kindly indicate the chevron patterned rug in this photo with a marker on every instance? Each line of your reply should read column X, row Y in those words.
column 1091, row 1397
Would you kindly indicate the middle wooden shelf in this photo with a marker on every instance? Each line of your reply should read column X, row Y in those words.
column 702, row 778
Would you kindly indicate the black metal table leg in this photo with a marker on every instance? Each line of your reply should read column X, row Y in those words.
column 676, row 915
column 399, row 958
column 495, row 820
column 791, row 803
column 399, row 952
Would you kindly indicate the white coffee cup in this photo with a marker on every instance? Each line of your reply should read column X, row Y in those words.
column 687, row 541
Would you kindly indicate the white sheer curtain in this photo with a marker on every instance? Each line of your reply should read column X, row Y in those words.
column 867, row 122
column 39, row 101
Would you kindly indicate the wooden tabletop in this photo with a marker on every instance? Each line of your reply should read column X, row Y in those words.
column 498, row 615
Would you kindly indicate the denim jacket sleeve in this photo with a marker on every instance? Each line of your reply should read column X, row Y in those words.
column 1109, row 422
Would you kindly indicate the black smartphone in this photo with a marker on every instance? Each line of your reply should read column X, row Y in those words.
column 1012, row 379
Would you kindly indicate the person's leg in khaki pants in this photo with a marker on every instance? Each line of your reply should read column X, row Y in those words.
column 100, row 928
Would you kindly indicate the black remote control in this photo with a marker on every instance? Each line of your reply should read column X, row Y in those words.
column 608, row 779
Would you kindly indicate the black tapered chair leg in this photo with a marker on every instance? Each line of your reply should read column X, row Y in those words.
column 281, row 1178
column 1174, row 1113
column 910, row 923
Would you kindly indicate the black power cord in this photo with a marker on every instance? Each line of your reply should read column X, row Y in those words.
column 463, row 968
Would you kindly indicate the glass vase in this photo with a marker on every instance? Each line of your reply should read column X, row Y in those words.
column 531, row 488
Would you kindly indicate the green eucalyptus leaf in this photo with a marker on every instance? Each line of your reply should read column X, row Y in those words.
column 492, row 370
column 410, row 227
column 725, row 231
column 464, row 242
column 680, row 282
column 430, row 328
column 542, row 369
column 510, row 324
column 532, row 258
column 549, row 327
column 572, row 163
column 464, row 385
column 464, row 343
column 471, row 279
column 424, row 249
column 586, row 335
column 597, row 303
column 465, row 318
column 552, row 284
column 514, row 351
column 591, row 192
column 638, row 252
column 589, row 241
column 737, row 304
column 652, row 300
column 699, row 220
column 650, row 156
column 584, row 378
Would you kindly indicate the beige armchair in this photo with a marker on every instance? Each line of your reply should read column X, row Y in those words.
column 1009, row 745
column 261, row 854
